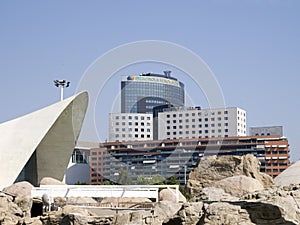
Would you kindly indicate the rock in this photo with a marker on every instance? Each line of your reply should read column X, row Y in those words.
column 22, row 191
column 69, row 209
column 127, row 202
column 50, row 181
column 189, row 214
column 170, row 195
column 223, row 213
column 164, row 210
column 212, row 169
column 239, row 185
column 291, row 175
column 213, row 194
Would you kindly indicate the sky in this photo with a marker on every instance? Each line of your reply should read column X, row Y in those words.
column 251, row 46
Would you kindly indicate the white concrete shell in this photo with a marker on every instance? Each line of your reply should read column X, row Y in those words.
column 41, row 143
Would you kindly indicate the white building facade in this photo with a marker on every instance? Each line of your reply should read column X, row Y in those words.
column 130, row 127
column 193, row 122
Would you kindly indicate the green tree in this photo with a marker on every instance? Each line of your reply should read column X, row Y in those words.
column 124, row 178
column 157, row 179
column 172, row 180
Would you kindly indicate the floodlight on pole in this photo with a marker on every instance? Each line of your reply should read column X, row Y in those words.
column 62, row 84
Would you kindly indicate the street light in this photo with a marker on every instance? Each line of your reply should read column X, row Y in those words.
column 62, row 84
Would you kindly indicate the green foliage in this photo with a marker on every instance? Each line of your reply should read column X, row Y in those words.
column 154, row 180
column 124, row 178
column 173, row 180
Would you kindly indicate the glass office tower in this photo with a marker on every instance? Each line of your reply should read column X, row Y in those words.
column 140, row 94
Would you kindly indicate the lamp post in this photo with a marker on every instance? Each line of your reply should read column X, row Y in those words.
column 62, row 84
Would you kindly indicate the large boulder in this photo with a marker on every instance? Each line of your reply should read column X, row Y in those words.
column 289, row 176
column 170, row 195
column 212, row 169
column 50, row 181
column 22, row 193
column 239, row 185
column 126, row 202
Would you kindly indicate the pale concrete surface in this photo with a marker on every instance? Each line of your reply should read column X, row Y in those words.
column 50, row 133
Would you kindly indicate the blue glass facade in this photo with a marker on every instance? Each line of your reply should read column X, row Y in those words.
column 139, row 94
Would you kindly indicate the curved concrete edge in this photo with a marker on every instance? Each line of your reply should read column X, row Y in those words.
column 41, row 141
column 291, row 175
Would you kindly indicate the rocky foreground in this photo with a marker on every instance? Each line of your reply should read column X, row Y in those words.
column 225, row 190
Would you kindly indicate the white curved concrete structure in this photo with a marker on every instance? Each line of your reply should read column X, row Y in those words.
column 289, row 176
column 41, row 143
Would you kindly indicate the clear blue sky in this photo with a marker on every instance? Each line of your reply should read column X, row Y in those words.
column 253, row 48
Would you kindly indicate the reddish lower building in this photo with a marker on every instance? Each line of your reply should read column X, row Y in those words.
column 179, row 156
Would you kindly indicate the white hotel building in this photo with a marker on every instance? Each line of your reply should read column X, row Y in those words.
column 193, row 122
column 130, row 127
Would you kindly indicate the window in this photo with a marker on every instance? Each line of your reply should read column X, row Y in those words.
column 136, row 123
column 179, row 121
column 174, row 115
column 212, row 125
column 136, row 135
column 130, row 117
column 174, row 133
column 193, row 132
column 180, row 126
column 142, row 123
column 193, row 120
column 186, row 126
column 174, row 127
column 225, row 124
column 168, row 121
column 148, row 124
column 148, row 130
column 187, row 120
column 199, row 119
column 174, row 121
column 117, row 129
column 168, row 127
column 193, row 126
column 117, row 123
column 123, row 135
column 226, row 130
column 142, row 136
column 123, row 129
column 168, row 133
column 123, row 118
column 212, row 119
column 213, row 131
column 219, row 118
column 200, row 125
column 206, row 125
column 206, row 119
column 129, row 129
column 186, row 114
column 136, row 129
column 142, row 118
column 226, row 112
column 148, row 118
column 180, row 115
column 187, row 132
column 136, row 117
column 117, row 135
column 142, row 130
column 212, row 113
column 123, row 123
column 200, row 131
column 117, row 117
column 206, row 131
column 168, row 116
column 219, row 131
column 219, row 112
column 193, row 114
column 219, row 124
column 130, row 123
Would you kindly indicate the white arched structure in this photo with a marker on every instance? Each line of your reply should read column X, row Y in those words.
column 41, row 143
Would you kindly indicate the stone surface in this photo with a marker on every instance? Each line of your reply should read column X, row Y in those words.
column 239, row 185
column 212, row 169
column 170, row 195
column 22, row 191
column 213, row 194
column 126, row 202
column 51, row 181
column 289, row 176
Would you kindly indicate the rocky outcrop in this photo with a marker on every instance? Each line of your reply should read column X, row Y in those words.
column 170, row 195
column 126, row 202
column 22, row 193
column 50, row 181
column 212, row 169
column 239, row 185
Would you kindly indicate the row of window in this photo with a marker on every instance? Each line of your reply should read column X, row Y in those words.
column 131, row 123
column 187, row 137
column 199, row 125
column 131, row 129
column 200, row 132
column 130, row 135
column 132, row 117
column 199, row 120
column 198, row 114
